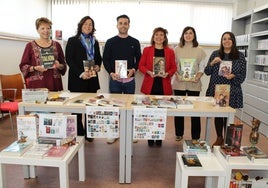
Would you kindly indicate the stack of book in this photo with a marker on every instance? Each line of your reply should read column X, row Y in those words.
column 17, row 148
column 189, row 146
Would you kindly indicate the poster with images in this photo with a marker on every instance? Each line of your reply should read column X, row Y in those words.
column 102, row 122
column 149, row 124
column 52, row 125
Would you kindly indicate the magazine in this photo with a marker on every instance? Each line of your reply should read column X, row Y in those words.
column 225, row 68
column 159, row 64
column 187, row 71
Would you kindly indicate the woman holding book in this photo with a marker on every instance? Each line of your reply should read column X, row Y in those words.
column 82, row 50
column 160, row 83
column 227, row 52
column 190, row 58
column 43, row 62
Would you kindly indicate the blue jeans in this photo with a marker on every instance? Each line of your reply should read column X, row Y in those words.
column 120, row 87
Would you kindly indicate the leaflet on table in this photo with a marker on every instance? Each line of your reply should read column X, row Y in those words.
column 149, row 124
column 102, row 122
column 16, row 148
column 27, row 126
column 38, row 95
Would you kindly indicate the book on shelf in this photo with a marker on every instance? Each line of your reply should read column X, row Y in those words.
column 184, row 104
column 187, row 69
column 37, row 150
column 190, row 146
column 89, row 66
column 159, row 66
column 57, row 152
column 27, row 127
column 191, row 160
column 233, row 136
column 222, row 94
column 47, row 57
column 121, row 68
column 57, row 100
column 233, row 154
column 17, row 148
column 255, row 154
column 225, row 68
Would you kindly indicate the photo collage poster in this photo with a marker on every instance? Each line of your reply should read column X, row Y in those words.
column 149, row 124
column 52, row 125
column 102, row 122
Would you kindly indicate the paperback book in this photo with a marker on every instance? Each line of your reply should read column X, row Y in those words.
column 187, row 71
column 222, row 94
column 89, row 67
column 255, row 154
column 225, row 68
column 191, row 160
column 57, row 100
column 38, row 95
column 159, row 64
column 184, row 104
column 47, row 57
column 190, row 146
column 16, row 148
column 233, row 135
column 38, row 150
column 57, row 152
column 162, row 103
column 121, row 68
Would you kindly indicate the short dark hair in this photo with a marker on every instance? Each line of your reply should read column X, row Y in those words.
column 123, row 16
column 42, row 20
column 80, row 24
column 165, row 43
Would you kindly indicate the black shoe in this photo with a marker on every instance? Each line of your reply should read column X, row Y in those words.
column 158, row 142
column 90, row 139
column 150, row 143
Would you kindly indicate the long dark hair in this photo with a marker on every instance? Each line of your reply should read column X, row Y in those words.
column 80, row 24
column 182, row 41
column 234, row 52
column 165, row 43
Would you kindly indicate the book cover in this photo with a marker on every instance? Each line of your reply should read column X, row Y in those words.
column 162, row 103
column 27, row 127
column 233, row 136
column 89, row 67
column 57, row 152
column 47, row 57
column 38, row 95
column 141, row 100
column 225, row 68
column 16, row 148
column 255, row 154
column 222, row 94
column 38, row 150
column 231, row 151
column 159, row 65
column 71, row 130
column 191, row 160
column 187, row 69
column 196, row 147
column 184, row 104
column 121, row 68
column 57, row 100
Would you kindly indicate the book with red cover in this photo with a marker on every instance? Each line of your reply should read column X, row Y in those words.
column 57, row 152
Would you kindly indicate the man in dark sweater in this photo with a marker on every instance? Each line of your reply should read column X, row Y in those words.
column 126, row 49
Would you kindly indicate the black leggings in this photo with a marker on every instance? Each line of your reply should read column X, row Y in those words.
column 220, row 125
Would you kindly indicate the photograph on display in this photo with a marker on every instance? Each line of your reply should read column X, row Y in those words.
column 149, row 124
column 102, row 122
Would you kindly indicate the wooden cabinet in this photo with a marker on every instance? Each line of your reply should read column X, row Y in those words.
column 251, row 30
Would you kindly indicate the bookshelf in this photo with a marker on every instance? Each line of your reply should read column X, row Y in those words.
column 251, row 30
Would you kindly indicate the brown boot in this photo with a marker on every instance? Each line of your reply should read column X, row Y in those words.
column 218, row 142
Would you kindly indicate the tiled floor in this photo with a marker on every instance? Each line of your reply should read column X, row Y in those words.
column 151, row 167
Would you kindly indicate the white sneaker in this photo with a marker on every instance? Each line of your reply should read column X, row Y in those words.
column 111, row 140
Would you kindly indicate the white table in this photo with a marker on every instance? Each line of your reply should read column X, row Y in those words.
column 62, row 164
column 201, row 109
column 67, row 108
column 211, row 169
